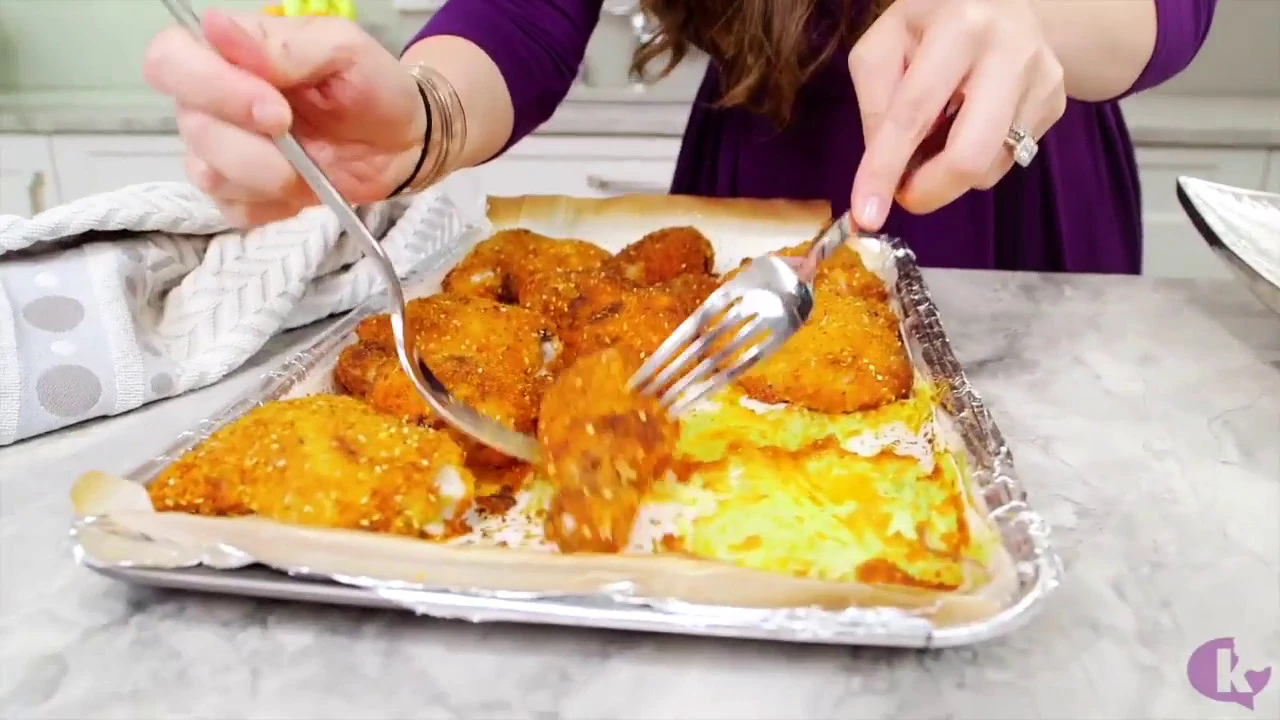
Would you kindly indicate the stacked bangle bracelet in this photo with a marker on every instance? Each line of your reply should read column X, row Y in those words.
column 446, row 130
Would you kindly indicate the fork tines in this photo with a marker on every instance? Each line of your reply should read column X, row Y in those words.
column 741, row 323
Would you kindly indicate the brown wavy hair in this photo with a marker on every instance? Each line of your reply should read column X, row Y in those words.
column 765, row 48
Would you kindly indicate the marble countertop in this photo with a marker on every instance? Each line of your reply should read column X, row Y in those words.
column 1141, row 413
column 662, row 110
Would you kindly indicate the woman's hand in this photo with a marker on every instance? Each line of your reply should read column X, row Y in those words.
column 989, row 57
column 350, row 103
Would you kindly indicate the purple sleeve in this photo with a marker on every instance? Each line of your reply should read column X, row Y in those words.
column 537, row 45
column 1181, row 27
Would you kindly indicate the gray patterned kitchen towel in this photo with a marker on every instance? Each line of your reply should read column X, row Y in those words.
column 116, row 300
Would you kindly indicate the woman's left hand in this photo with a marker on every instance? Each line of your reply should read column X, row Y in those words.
column 989, row 56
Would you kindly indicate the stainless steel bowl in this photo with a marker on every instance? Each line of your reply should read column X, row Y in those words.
column 1243, row 228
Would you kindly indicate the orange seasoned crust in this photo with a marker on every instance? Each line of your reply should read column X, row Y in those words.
column 490, row 355
column 527, row 269
column 631, row 318
column 326, row 461
column 843, row 272
column 602, row 455
column 848, row 357
column 664, row 255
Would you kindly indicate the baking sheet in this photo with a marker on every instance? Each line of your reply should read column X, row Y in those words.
column 122, row 536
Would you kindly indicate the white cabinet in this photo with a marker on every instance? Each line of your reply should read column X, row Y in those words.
column 1173, row 248
column 1272, row 183
column 28, row 183
column 90, row 164
column 583, row 166
column 538, row 165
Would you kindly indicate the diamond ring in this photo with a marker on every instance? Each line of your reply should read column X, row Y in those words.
column 1022, row 145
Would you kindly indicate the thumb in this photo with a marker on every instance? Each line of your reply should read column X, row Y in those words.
column 285, row 51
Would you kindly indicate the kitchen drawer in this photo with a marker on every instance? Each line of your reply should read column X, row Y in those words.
column 90, row 164
column 1173, row 248
column 27, row 180
column 584, row 166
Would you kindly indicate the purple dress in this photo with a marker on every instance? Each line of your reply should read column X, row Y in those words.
column 1076, row 208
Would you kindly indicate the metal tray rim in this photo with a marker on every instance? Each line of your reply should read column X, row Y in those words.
column 274, row 585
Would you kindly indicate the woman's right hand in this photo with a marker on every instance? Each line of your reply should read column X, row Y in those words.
column 353, row 106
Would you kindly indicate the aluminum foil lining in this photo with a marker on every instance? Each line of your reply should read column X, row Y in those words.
column 1024, row 533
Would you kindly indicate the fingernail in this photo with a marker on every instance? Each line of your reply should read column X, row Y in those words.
column 269, row 115
column 869, row 213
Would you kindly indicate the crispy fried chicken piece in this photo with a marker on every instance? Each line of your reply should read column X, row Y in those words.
column 636, row 319
column 359, row 366
column 527, row 269
column 483, row 271
column 324, row 461
column 604, row 447
column 491, row 356
column 510, row 400
column 843, row 272
column 690, row 290
column 551, row 276
column 847, row 357
column 546, row 280
column 501, row 337
column 663, row 255
column 676, row 261
column 598, row 294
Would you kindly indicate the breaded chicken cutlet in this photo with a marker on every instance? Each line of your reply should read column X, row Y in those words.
column 843, row 271
column 663, row 255
column 603, row 455
column 521, row 267
column 635, row 319
column 550, row 276
column 324, row 461
column 639, row 296
column 492, row 356
column 848, row 356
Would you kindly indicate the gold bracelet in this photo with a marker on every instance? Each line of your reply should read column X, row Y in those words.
column 449, row 127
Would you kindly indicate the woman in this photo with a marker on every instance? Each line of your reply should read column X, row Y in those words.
column 803, row 99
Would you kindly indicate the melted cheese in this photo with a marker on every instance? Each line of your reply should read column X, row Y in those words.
column 826, row 513
column 870, row 497
column 712, row 430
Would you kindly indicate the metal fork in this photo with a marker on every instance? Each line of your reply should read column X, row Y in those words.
column 743, row 322
column 460, row 416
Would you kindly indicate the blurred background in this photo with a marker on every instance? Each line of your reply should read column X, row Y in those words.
column 76, row 117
